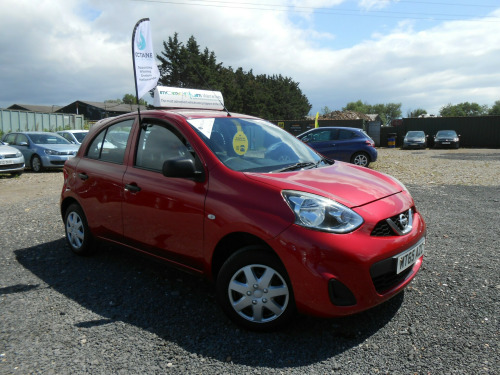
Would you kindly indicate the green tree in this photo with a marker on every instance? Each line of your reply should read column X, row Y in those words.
column 387, row 112
column 495, row 109
column 273, row 97
column 325, row 110
column 463, row 110
column 416, row 112
column 131, row 99
column 358, row 106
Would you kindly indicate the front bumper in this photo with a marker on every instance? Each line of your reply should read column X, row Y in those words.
column 55, row 161
column 332, row 275
column 446, row 144
column 414, row 145
column 12, row 165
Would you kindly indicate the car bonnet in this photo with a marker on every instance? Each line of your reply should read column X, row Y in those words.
column 351, row 185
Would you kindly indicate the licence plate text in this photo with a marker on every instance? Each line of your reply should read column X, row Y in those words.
column 410, row 256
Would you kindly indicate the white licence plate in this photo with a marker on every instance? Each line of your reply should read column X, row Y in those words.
column 446, row 143
column 408, row 257
column 6, row 161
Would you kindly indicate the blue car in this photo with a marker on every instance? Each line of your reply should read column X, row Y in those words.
column 351, row 145
column 42, row 149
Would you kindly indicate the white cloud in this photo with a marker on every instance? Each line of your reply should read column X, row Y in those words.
column 375, row 4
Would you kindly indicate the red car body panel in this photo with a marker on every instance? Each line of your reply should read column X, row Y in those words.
column 183, row 221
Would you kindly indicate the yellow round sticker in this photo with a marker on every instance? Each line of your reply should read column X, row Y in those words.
column 240, row 143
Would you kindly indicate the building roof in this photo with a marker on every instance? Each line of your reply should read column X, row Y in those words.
column 112, row 107
column 345, row 115
column 35, row 108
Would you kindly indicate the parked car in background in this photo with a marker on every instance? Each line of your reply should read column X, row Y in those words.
column 42, row 149
column 446, row 138
column 415, row 139
column 74, row 136
column 351, row 145
column 11, row 160
column 197, row 188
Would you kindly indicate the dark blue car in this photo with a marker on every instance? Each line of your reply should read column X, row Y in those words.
column 351, row 145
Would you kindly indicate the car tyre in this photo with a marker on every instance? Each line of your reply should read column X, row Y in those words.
column 360, row 158
column 78, row 235
column 36, row 164
column 254, row 290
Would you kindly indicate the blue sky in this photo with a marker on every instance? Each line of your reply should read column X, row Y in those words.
column 422, row 54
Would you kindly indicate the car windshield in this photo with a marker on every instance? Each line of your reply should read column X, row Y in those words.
column 48, row 139
column 415, row 134
column 80, row 136
column 254, row 145
column 446, row 133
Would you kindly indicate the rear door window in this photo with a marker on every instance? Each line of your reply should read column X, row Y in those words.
column 110, row 144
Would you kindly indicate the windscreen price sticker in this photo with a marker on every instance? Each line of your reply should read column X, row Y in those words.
column 240, row 143
column 410, row 256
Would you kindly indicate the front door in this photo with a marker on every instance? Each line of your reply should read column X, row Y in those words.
column 162, row 215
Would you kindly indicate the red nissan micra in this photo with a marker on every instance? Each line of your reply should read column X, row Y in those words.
column 278, row 227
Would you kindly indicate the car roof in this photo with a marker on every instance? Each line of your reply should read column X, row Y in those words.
column 336, row 127
column 197, row 113
column 73, row 131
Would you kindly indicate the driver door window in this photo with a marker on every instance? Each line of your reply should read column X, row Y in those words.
column 158, row 144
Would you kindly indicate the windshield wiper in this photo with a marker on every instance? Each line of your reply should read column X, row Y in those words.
column 296, row 166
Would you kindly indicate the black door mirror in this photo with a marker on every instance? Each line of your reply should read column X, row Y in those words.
column 182, row 168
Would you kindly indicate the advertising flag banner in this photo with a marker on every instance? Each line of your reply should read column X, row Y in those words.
column 145, row 69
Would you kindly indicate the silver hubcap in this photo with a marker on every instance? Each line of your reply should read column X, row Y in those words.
column 36, row 164
column 361, row 160
column 258, row 293
column 74, row 230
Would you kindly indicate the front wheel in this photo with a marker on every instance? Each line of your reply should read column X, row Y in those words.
column 254, row 290
column 77, row 231
column 36, row 164
column 360, row 158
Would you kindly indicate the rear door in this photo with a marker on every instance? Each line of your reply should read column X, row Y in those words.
column 99, row 179
column 164, row 216
column 347, row 143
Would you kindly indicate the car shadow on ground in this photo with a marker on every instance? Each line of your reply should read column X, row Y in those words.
column 181, row 308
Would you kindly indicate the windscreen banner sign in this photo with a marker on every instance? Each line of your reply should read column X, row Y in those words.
column 173, row 97
column 146, row 70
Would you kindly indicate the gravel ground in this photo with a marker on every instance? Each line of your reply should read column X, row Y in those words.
column 116, row 313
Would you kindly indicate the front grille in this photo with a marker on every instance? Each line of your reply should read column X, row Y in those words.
column 385, row 229
column 11, row 166
column 384, row 276
column 9, row 156
column 382, row 229
column 57, row 162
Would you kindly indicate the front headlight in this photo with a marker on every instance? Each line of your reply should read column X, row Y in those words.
column 320, row 213
column 18, row 154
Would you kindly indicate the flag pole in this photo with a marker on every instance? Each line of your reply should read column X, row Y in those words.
column 135, row 73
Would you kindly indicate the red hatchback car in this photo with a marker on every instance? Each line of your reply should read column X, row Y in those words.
column 278, row 227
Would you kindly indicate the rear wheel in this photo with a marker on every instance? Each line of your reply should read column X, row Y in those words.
column 36, row 164
column 360, row 158
column 77, row 231
column 254, row 290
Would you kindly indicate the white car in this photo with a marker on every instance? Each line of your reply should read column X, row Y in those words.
column 74, row 136
column 11, row 160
